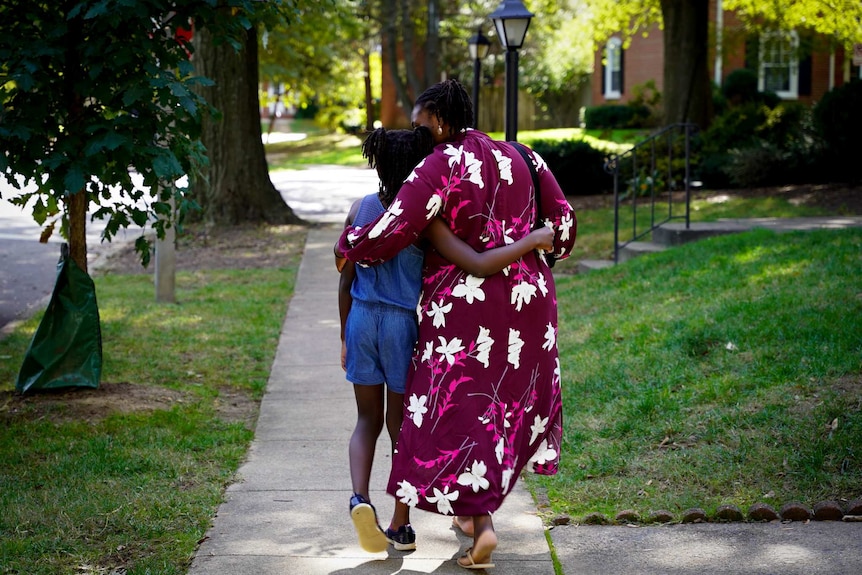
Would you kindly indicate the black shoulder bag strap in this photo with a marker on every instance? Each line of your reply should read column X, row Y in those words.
column 549, row 258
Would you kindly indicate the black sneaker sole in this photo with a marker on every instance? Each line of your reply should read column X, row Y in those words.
column 402, row 546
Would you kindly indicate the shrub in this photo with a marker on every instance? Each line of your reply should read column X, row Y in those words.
column 837, row 120
column 755, row 144
column 578, row 167
column 616, row 116
column 740, row 86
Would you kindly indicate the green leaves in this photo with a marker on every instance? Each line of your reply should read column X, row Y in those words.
column 91, row 90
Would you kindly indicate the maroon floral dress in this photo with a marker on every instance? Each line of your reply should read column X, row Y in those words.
column 483, row 398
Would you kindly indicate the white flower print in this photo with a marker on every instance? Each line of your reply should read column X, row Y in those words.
column 498, row 450
column 483, row 345
column 550, row 337
column 474, row 169
column 413, row 174
column 507, row 479
column 354, row 234
column 407, row 494
column 470, row 289
column 540, row 162
column 522, row 294
column 544, row 454
column 566, row 226
column 557, row 370
column 394, row 210
column 515, row 345
column 426, row 353
column 507, row 238
column 443, row 500
column 449, row 349
column 504, row 164
column 454, row 154
column 438, row 312
column 474, row 477
column 417, row 408
column 539, row 426
column 433, row 206
column 543, row 284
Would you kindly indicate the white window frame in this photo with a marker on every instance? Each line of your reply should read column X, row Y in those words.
column 613, row 64
column 785, row 57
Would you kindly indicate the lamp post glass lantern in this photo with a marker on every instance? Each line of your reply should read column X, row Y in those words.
column 479, row 48
column 511, row 19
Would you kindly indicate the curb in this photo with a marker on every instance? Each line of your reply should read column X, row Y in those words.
column 849, row 512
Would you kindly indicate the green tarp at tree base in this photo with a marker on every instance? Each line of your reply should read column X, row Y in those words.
column 66, row 350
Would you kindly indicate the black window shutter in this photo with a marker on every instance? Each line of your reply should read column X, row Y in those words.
column 622, row 70
column 604, row 74
column 752, row 53
column 804, row 85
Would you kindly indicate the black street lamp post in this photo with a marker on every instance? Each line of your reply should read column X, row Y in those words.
column 479, row 48
column 511, row 19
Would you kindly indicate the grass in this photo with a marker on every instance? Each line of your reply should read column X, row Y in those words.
column 721, row 372
column 136, row 490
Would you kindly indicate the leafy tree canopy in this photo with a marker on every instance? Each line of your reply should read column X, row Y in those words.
column 841, row 19
column 94, row 90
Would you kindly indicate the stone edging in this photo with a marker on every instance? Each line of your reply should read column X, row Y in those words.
column 822, row 511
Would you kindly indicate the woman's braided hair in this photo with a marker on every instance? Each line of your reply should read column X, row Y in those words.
column 394, row 154
column 448, row 102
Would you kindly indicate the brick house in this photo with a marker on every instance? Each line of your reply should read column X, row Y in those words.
column 795, row 74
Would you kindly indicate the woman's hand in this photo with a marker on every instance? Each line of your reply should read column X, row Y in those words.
column 543, row 238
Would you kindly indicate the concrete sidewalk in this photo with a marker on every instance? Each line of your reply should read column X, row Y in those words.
column 288, row 511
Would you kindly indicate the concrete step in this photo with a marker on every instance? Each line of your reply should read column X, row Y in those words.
column 585, row 266
column 636, row 249
column 675, row 234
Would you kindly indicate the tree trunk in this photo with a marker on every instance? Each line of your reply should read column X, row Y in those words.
column 409, row 50
column 76, row 201
column 390, row 39
column 370, row 114
column 687, row 89
column 432, row 45
column 235, row 188
column 76, row 206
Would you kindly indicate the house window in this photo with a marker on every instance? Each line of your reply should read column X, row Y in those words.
column 613, row 72
column 779, row 64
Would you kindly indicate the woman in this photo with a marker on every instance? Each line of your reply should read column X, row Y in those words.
column 483, row 398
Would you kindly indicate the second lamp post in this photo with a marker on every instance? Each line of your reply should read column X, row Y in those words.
column 479, row 48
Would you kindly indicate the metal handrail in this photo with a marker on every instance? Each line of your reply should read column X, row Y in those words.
column 643, row 166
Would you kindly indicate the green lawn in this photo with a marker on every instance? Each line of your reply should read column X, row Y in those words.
column 134, row 486
column 723, row 372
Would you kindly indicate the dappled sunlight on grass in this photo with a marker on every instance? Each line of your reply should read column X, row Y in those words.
column 687, row 374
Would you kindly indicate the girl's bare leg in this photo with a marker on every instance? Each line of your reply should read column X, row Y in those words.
column 369, row 424
column 394, row 417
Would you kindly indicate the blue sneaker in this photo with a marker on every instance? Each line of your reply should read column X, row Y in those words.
column 404, row 539
column 364, row 516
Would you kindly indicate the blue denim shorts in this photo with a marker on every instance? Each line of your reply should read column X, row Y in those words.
column 380, row 339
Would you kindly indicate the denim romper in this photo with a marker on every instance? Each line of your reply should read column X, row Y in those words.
column 381, row 329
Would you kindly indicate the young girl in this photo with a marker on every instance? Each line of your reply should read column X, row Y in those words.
column 377, row 306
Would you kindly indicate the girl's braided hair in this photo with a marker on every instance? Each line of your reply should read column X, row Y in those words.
column 394, row 154
column 448, row 102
